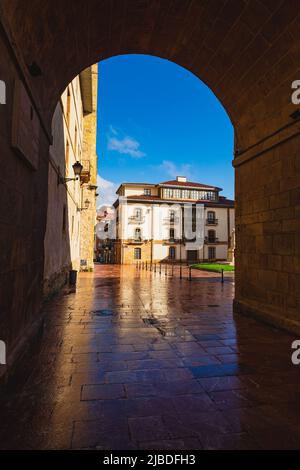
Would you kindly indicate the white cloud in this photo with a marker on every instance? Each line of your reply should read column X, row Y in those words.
column 126, row 145
column 113, row 130
column 107, row 192
column 171, row 169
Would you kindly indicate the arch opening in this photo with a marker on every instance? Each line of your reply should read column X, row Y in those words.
column 248, row 60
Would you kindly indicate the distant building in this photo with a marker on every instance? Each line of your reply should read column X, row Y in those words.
column 176, row 220
column 104, row 245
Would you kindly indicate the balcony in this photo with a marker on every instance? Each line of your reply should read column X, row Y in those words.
column 211, row 240
column 171, row 220
column 86, row 171
column 211, row 221
column 135, row 241
column 136, row 219
column 171, row 241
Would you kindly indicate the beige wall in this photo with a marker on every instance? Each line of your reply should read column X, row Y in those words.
column 138, row 190
column 69, row 234
column 62, row 238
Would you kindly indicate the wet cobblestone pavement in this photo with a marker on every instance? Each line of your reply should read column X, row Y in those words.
column 138, row 360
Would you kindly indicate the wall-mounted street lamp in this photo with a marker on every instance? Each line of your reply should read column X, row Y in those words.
column 77, row 167
column 86, row 206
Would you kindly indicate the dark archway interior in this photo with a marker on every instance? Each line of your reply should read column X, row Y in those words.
column 246, row 51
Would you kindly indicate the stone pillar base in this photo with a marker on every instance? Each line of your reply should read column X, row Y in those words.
column 57, row 281
column 265, row 316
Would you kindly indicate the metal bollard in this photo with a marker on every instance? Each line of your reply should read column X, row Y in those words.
column 151, row 266
column 166, row 272
column 190, row 273
column 143, row 265
column 160, row 269
column 222, row 275
column 155, row 268
column 146, row 265
column 72, row 277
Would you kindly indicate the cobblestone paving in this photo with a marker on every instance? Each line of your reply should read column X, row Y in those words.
column 139, row 360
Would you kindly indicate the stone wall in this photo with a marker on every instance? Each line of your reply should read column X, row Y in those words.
column 128, row 252
column 268, row 235
column 23, row 199
column 88, row 216
column 61, row 244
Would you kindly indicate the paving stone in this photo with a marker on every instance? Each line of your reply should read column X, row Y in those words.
column 146, row 428
column 116, row 383
column 102, row 392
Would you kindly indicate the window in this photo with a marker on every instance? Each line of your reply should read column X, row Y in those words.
column 147, row 192
column 64, row 219
column 75, row 142
column 137, row 253
column 211, row 235
column 172, row 252
column 211, row 253
column 211, row 216
column 210, row 196
column 172, row 233
column 138, row 213
column 67, row 155
column 185, row 194
column 68, row 107
column 168, row 193
column 137, row 234
column 194, row 215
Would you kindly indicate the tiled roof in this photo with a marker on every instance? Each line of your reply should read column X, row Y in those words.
column 186, row 183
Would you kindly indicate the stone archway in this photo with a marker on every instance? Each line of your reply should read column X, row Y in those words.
column 246, row 51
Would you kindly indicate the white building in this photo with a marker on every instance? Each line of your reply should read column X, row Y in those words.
column 175, row 220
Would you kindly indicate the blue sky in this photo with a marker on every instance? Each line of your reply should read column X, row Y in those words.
column 157, row 120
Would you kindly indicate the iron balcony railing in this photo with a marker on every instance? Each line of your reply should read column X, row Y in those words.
column 171, row 220
column 136, row 219
column 171, row 240
column 211, row 240
column 135, row 240
column 211, row 221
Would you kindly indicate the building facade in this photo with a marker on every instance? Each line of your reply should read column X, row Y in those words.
column 89, row 86
column 71, row 208
column 175, row 220
column 104, row 244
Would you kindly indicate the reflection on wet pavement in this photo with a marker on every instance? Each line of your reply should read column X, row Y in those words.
column 135, row 360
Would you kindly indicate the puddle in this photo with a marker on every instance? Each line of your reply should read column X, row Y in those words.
column 167, row 330
column 102, row 313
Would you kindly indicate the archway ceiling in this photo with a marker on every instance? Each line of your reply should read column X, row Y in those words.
column 246, row 51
